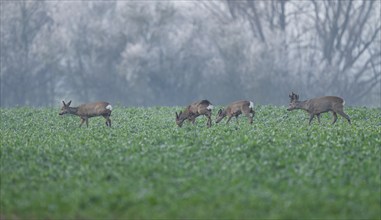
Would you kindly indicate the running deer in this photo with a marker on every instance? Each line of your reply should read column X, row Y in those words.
column 319, row 105
column 194, row 110
column 88, row 110
column 235, row 109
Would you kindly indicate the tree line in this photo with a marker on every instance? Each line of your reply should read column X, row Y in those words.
column 174, row 52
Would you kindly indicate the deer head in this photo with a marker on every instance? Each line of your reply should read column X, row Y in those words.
column 65, row 109
column 294, row 100
column 220, row 115
column 180, row 119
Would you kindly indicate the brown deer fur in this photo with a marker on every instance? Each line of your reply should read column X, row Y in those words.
column 88, row 110
column 319, row 105
column 194, row 110
column 235, row 109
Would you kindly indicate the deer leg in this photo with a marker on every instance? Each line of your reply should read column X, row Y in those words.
column 82, row 121
column 209, row 123
column 230, row 117
column 334, row 117
column 192, row 119
column 250, row 115
column 236, row 119
column 345, row 116
column 209, row 116
column 318, row 117
column 87, row 122
column 311, row 117
column 108, row 121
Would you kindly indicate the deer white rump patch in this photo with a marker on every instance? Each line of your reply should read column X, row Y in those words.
column 210, row 107
column 251, row 105
column 109, row 107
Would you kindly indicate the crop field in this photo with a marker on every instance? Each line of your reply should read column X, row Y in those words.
column 146, row 167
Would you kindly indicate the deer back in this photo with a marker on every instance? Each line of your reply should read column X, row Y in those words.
column 94, row 109
column 200, row 107
column 239, row 106
column 324, row 104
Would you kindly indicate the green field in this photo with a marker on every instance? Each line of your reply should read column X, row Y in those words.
column 145, row 167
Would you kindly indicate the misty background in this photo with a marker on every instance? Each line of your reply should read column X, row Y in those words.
column 147, row 53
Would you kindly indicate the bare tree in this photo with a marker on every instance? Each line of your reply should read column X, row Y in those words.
column 349, row 39
column 26, row 66
column 174, row 52
column 318, row 46
column 93, row 53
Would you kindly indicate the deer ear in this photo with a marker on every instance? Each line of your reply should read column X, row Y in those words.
column 63, row 103
column 68, row 103
column 177, row 116
column 296, row 97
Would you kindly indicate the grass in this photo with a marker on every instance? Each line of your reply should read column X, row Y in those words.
column 146, row 167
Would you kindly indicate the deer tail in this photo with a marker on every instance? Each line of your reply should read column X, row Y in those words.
column 251, row 105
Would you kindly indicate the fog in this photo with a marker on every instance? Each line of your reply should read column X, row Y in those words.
column 170, row 53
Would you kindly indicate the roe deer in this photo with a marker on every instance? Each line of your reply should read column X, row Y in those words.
column 88, row 110
column 194, row 110
column 235, row 109
column 319, row 105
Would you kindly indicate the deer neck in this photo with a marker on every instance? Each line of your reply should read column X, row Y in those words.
column 224, row 113
column 183, row 116
column 303, row 105
column 73, row 110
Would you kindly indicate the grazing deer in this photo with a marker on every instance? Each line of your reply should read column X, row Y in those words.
column 235, row 109
column 194, row 110
column 319, row 105
column 88, row 110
